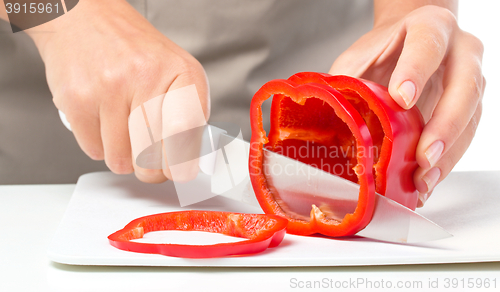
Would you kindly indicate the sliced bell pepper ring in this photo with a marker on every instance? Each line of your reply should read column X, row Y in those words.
column 303, row 113
column 261, row 230
column 394, row 130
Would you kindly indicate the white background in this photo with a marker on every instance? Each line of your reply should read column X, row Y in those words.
column 481, row 18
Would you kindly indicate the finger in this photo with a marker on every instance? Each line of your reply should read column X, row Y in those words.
column 426, row 180
column 422, row 199
column 115, row 136
column 144, row 124
column 464, row 86
column 85, row 126
column 450, row 159
column 184, row 114
column 144, row 148
column 431, row 94
column 425, row 47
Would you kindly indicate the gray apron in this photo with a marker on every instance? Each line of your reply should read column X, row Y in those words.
column 241, row 44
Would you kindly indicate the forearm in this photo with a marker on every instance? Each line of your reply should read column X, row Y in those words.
column 390, row 11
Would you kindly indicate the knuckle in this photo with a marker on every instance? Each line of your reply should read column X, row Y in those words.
column 75, row 99
column 75, row 93
column 187, row 65
column 140, row 64
column 435, row 29
column 453, row 129
column 474, row 41
column 113, row 77
column 446, row 16
column 418, row 70
column 145, row 64
column 473, row 88
column 435, row 42
column 148, row 66
column 440, row 14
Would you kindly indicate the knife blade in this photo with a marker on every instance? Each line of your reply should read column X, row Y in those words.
column 300, row 185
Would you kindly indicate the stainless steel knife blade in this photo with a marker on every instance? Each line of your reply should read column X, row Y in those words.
column 300, row 185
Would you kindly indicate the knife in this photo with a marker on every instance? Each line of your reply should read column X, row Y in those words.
column 224, row 159
column 303, row 185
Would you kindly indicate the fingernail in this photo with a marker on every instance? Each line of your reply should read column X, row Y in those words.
column 422, row 198
column 433, row 153
column 407, row 90
column 431, row 178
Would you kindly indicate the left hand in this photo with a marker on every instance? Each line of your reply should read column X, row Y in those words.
column 426, row 60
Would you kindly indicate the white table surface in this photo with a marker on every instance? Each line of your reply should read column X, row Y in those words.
column 30, row 214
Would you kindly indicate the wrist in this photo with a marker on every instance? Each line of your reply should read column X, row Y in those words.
column 79, row 17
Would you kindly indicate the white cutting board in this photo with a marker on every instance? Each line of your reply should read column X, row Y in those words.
column 467, row 204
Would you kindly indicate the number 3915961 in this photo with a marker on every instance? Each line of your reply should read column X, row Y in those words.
column 32, row 8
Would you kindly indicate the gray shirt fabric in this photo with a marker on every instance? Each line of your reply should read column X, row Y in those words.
column 241, row 44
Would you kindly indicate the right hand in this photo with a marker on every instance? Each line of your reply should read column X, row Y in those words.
column 424, row 56
column 102, row 61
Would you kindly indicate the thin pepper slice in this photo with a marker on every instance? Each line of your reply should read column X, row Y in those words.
column 261, row 230
column 394, row 130
column 301, row 113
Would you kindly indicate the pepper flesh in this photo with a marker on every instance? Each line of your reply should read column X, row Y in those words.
column 334, row 110
column 261, row 230
column 394, row 130
column 300, row 119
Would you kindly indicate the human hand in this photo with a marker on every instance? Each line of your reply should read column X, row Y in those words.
column 426, row 60
column 103, row 60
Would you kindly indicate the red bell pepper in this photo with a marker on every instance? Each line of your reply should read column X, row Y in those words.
column 303, row 113
column 315, row 110
column 394, row 130
column 261, row 230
